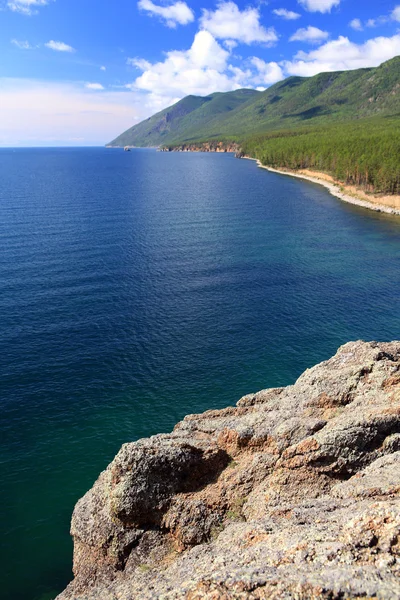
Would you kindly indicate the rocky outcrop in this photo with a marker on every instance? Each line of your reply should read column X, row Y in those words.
column 214, row 146
column 293, row 494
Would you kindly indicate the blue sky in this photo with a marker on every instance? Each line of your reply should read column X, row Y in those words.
column 78, row 72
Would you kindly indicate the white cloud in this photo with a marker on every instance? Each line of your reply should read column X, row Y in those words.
column 396, row 13
column 22, row 44
column 37, row 112
column 377, row 22
column 356, row 24
column 289, row 15
column 268, row 73
column 199, row 70
column 94, row 86
column 174, row 14
column 322, row 6
column 26, row 7
column 382, row 20
column 343, row 55
column 309, row 34
column 139, row 63
column 103, row 68
column 230, row 44
column 59, row 46
column 227, row 22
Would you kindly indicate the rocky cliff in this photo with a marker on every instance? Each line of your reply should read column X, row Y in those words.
column 293, row 493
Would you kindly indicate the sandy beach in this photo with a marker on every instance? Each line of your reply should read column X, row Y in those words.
column 386, row 204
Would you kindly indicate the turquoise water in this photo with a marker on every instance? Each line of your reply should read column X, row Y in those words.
column 138, row 287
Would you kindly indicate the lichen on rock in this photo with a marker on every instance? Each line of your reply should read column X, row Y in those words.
column 292, row 494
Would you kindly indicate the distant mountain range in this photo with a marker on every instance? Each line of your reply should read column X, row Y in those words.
column 296, row 101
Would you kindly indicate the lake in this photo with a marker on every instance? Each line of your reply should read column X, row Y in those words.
column 137, row 287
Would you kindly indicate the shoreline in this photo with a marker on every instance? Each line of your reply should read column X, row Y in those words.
column 346, row 193
column 334, row 188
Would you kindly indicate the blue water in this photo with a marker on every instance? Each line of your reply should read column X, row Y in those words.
column 138, row 287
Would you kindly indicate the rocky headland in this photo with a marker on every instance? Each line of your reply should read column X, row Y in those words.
column 294, row 493
column 213, row 146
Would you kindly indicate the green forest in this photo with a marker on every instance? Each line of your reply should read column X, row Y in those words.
column 365, row 153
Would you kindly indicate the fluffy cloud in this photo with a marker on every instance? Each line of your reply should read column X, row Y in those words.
column 227, row 22
column 103, row 68
column 203, row 69
column 199, row 70
column 322, row 6
column 342, row 55
column 139, row 63
column 289, row 15
column 94, row 86
column 22, row 44
column 59, row 46
column 356, row 25
column 309, row 34
column 396, row 14
column 26, row 7
column 230, row 44
column 174, row 14
column 267, row 73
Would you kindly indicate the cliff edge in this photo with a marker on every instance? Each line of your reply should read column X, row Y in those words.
column 292, row 494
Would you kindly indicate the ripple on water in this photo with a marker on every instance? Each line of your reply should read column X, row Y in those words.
column 138, row 287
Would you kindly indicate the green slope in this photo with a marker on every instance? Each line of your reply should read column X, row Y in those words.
column 338, row 96
column 292, row 103
column 172, row 122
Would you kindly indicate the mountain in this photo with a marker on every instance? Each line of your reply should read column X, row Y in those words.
column 294, row 102
column 173, row 122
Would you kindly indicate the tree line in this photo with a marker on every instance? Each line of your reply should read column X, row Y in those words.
column 362, row 153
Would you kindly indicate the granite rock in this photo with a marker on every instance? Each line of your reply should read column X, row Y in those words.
column 292, row 494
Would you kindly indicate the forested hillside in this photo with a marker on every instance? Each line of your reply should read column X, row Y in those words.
column 365, row 153
column 190, row 112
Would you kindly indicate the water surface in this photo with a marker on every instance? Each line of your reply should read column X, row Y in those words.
column 138, row 287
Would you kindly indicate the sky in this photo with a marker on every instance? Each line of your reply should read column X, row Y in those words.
column 79, row 72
